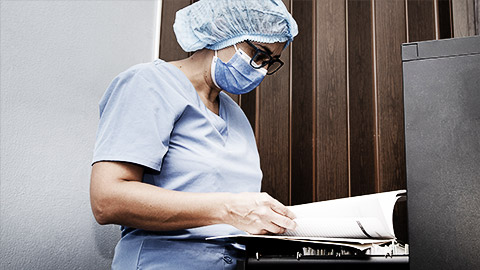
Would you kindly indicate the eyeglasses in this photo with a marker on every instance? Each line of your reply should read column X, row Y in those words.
column 262, row 59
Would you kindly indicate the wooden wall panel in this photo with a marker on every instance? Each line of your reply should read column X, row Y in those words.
column 361, row 98
column 331, row 109
column 464, row 17
column 421, row 20
column 389, row 34
column 273, row 130
column 302, row 105
column 273, row 135
column 445, row 19
column 169, row 48
column 248, row 102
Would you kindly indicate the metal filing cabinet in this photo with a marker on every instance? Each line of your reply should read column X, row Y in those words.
column 442, row 128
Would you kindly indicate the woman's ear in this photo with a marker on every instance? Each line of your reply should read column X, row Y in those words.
column 226, row 54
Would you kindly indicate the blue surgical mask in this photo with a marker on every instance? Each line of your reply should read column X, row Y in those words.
column 236, row 76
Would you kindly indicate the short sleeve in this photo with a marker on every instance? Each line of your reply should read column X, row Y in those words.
column 136, row 120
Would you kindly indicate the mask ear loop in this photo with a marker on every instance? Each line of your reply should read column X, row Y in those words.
column 212, row 69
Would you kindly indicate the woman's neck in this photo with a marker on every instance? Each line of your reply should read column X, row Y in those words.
column 197, row 70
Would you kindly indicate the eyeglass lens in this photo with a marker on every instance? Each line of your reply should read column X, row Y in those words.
column 274, row 67
column 264, row 60
column 260, row 58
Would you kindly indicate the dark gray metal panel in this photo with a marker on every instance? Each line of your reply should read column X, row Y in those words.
column 409, row 51
column 442, row 48
column 477, row 17
column 442, row 125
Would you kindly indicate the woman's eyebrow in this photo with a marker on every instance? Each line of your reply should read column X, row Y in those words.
column 268, row 50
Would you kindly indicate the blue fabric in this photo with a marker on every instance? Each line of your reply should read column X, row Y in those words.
column 150, row 251
column 236, row 76
column 151, row 115
column 216, row 24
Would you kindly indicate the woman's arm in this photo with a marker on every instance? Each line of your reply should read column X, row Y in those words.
column 118, row 196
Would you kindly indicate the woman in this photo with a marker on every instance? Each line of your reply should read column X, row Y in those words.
column 175, row 159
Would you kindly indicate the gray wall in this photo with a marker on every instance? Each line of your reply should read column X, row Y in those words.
column 57, row 58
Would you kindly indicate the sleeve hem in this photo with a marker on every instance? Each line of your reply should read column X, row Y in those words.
column 136, row 160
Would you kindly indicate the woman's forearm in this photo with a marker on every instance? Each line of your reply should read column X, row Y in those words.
column 148, row 207
column 119, row 197
column 135, row 204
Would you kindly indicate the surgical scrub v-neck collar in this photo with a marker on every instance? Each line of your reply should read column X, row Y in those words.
column 218, row 121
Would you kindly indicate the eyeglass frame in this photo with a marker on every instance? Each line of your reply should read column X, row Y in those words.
column 267, row 63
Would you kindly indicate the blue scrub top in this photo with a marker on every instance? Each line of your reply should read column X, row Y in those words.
column 151, row 115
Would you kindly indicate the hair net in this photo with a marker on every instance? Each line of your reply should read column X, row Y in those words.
column 216, row 24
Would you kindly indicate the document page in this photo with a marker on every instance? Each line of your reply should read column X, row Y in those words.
column 339, row 227
column 367, row 216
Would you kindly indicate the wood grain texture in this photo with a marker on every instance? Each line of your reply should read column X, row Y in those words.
column 248, row 103
column 445, row 18
column 361, row 99
column 464, row 17
column 273, row 131
column 390, row 34
column 303, row 181
column 169, row 48
column 421, row 20
column 331, row 110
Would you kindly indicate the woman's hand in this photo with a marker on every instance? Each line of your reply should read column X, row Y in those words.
column 258, row 213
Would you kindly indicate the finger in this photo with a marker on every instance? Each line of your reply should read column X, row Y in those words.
column 262, row 232
column 274, row 228
column 282, row 209
column 283, row 222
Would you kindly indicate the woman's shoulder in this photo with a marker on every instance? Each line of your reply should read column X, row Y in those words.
column 157, row 76
column 154, row 82
column 154, row 70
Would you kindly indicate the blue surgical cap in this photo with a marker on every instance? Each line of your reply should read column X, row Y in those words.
column 216, row 24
